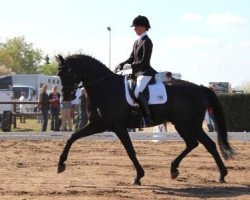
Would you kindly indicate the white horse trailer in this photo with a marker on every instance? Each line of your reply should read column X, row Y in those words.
column 11, row 87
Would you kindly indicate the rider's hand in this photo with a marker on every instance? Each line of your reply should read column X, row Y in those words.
column 127, row 66
column 118, row 68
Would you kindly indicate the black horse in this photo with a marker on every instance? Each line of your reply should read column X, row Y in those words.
column 109, row 110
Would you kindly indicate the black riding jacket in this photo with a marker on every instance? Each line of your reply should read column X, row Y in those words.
column 140, row 57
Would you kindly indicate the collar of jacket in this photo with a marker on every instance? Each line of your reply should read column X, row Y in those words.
column 142, row 35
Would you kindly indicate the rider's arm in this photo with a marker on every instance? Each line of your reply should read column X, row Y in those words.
column 144, row 62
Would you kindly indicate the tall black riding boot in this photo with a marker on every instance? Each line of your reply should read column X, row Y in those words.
column 144, row 103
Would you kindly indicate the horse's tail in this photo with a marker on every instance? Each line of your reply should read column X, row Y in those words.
column 220, row 124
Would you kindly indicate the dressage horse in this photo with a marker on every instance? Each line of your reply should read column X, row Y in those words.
column 109, row 111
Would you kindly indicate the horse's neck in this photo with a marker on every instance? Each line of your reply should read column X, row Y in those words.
column 104, row 86
column 98, row 79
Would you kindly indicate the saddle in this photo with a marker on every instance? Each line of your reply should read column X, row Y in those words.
column 132, row 85
column 155, row 93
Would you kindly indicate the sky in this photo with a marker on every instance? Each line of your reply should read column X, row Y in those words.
column 203, row 40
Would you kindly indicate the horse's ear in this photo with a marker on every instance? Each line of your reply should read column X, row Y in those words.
column 60, row 59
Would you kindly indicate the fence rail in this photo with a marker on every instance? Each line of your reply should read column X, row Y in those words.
column 14, row 111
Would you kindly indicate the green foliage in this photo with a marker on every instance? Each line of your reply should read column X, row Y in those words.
column 236, row 108
column 4, row 58
column 246, row 86
column 20, row 56
column 48, row 69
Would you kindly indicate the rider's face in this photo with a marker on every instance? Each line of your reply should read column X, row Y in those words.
column 139, row 29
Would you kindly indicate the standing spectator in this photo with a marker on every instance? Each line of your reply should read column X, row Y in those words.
column 66, row 115
column 75, row 107
column 209, row 116
column 43, row 104
column 210, row 123
column 211, row 112
column 163, row 127
column 83, row 117
column 168, row 76
column 54, row 99
column 22, row 107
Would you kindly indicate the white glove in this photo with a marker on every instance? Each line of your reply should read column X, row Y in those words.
column 127, row 66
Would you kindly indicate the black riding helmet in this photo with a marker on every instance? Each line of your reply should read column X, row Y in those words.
column 141, row 21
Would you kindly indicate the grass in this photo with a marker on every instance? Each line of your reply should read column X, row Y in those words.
column 29, row 125
column 32, row 125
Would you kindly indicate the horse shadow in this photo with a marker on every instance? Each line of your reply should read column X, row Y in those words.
column 202, row 191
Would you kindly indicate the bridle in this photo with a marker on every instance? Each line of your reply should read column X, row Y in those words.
column 71, row 74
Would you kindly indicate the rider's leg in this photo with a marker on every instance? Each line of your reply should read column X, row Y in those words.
column 141, row 84
column 144, row 103
column 132, row 85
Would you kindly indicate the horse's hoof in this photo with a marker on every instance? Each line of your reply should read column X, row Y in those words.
column 222, row 176
column 137, row 182
column 222, row 180
column 174, row 174
column 61, row 168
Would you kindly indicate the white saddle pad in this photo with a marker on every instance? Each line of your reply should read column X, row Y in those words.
column 157, row 93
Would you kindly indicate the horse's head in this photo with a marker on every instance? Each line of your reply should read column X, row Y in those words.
column 68, row 78
column 80, row 68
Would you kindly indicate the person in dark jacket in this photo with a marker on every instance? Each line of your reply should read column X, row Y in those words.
column 83, row 116
column 169, row 76
column 44, row 104
column 54, row 99
column 139, row 61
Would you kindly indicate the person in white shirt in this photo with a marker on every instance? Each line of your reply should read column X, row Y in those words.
column 22, row 107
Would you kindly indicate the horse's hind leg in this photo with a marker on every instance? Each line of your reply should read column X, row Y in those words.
column 210, row 145
column 191, row 143
column 89, row 129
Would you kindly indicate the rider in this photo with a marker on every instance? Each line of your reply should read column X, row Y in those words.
column 139, row 61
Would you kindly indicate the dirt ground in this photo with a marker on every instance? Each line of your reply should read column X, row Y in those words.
column 102, row 170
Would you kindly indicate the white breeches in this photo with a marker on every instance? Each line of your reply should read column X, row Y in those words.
column 141, row 83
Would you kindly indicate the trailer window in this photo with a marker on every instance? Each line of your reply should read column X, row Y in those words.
column 18, row 90
column 5, row 82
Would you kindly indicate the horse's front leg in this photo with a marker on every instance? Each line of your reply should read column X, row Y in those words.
column 126, row 141
column 89, row 129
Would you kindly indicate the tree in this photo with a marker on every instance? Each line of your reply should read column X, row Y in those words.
column 48, row 69
column 20, row 56
column 4, row 70
column 4, row 58
column 245, row 86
